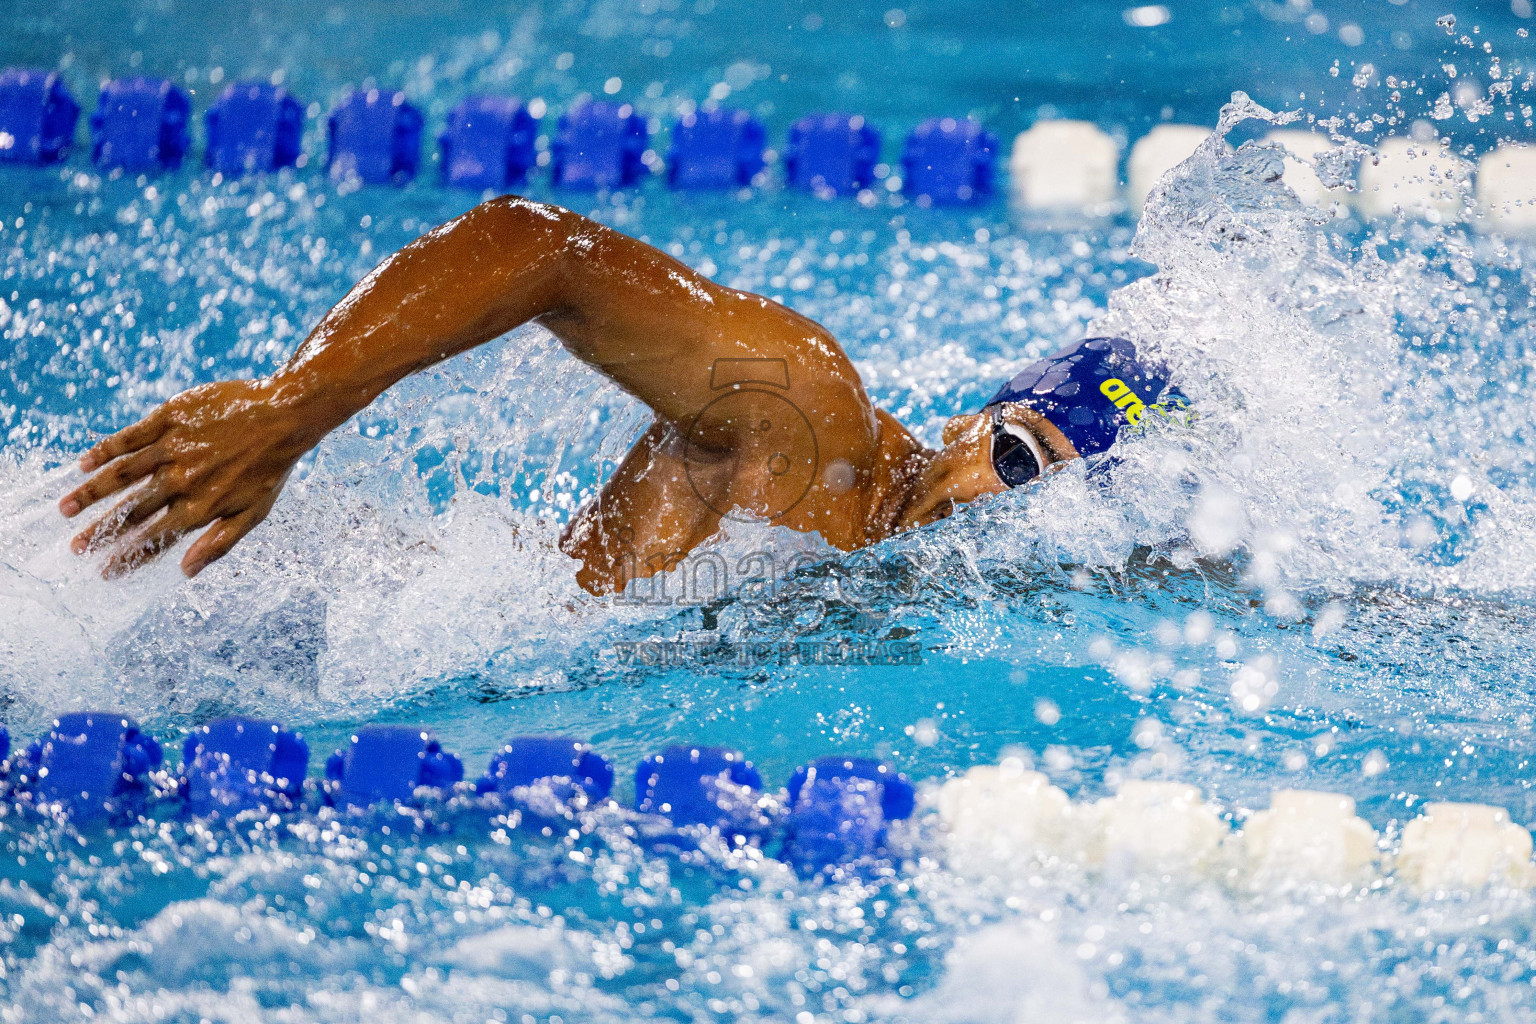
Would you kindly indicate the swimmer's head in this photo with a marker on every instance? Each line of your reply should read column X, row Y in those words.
column 1069, row 405
column 1088, row 393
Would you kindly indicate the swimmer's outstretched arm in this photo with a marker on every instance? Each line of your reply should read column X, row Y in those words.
column 218, row 455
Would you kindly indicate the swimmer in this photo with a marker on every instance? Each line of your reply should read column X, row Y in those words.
column 758, row 411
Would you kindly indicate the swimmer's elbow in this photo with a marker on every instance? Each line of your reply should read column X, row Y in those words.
column 534, row 241
column 518, row 222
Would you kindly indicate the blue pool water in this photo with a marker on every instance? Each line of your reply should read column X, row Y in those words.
column 1326, row 583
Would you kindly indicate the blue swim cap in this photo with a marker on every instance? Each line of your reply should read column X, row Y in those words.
column 1090, row 390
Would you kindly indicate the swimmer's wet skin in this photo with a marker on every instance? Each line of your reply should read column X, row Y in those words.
column 716, row 365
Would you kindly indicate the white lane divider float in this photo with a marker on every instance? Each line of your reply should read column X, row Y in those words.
column 1302, row 150
column 1506, row 189
column 1003, row 818
column 1004, row 814
column 1066, row 165
column 1464, row 846
column 1420, row 179
column 1161, row 828
column 1155, row 154
column 1307, row 836
column 1073, row 166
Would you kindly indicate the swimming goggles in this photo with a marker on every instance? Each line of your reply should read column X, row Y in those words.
column 1016, row 454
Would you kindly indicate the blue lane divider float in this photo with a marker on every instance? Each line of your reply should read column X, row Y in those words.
column 242, row 764
column 253, row 127
column 91, row 764
column 37, row 117
column 388, row 763
column 489, row 142
column 599, row 145
column 562, row 763
column 839, row 808
column 948, row 161
column 97, row 763
column 715, row 149
column 711, row 786
column 140, row 124
column 375, row 137
column 832, row 154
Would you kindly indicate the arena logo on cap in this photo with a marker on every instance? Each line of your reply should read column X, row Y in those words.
column 1126, row 400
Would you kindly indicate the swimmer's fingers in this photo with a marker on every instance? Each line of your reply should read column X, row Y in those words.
column 126, row 514
column 230, row 518
column 149, row 540
column 130, row 439
column 121, row 473
column 215, row 543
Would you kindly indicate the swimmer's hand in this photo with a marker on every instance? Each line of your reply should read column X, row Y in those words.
column 217, row 454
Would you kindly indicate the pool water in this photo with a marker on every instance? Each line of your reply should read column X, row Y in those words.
column 1325, row 582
